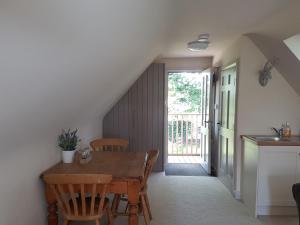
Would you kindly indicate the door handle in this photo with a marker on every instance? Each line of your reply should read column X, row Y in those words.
column 219, row 123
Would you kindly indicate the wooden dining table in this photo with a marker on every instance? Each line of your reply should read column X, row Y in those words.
column 126, row 168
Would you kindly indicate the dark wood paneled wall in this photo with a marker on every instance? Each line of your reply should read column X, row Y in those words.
column 139, row 115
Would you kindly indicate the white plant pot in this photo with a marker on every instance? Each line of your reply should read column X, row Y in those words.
column 68, row 156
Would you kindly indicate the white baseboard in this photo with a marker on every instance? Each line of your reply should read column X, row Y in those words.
column 277, row 210
column 237, row 194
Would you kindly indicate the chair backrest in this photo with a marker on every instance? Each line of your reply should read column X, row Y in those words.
column 152, row 156
column 109, row 144
column 68, row 187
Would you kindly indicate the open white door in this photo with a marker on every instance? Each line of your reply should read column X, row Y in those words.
column 205, row 124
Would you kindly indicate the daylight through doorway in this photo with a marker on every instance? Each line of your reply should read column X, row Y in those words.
column 184, row 117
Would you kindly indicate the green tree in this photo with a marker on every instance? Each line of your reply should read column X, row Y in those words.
column 184, row 92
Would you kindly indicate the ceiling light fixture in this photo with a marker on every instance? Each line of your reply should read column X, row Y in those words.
column 200, row 44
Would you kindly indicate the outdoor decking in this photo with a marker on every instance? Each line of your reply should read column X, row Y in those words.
column 183, row 159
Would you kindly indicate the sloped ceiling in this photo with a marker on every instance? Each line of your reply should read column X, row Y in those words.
column 288, row 64
column 225, row 21
column 282, row 24
column 63, row 63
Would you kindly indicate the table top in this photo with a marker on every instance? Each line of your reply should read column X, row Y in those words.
column 121, row 165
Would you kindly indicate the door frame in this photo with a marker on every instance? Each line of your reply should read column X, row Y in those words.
column 166, row 150
column 235, row 62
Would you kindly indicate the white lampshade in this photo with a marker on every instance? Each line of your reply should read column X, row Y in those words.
column 200, row 44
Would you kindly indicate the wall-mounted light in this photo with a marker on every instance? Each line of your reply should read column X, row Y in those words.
column 265, row 74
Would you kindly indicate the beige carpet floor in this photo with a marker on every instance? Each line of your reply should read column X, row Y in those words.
column 200, row 200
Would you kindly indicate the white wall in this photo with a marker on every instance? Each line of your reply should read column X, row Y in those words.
column 189, row 63
column 288, row 64
column 259, row 108
column 21, row 190
column 62, row 64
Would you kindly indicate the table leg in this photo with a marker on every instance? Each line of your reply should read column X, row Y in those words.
column 133, row 201
column 52, row 207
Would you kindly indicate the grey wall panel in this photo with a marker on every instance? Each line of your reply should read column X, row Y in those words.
column 139, row 115
column 160, row 111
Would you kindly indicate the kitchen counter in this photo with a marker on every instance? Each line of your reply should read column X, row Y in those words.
column 264, row 140
column 270, row 167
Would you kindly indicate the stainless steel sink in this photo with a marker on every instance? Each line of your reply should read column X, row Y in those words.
column 267, row 138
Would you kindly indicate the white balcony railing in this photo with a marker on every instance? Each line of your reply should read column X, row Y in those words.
column 184, row 134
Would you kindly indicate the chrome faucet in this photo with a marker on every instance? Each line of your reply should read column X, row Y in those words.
column 278, row 131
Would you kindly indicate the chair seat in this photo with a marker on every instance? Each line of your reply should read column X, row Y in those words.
column 88, row 215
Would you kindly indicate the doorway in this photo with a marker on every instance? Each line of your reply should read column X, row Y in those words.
column 189, row 124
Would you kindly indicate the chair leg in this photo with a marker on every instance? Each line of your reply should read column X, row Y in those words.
column 97, row 222
column 148, row 205
column 118, row 202
column 140, row 210
column 110, row 217
column 145, row 211
column 66, row 222
column 115, row 204
column 126, row 208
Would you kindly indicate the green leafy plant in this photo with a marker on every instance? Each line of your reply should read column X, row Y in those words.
column 68, row 140
column 185, row 92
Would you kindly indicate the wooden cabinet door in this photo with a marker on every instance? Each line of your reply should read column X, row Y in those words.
column 227, row 125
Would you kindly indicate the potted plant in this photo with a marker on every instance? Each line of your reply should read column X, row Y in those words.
column 68, row 141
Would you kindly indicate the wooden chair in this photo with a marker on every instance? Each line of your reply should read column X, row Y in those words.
column 109, row 144
column 144, row 204
column 81, row 197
